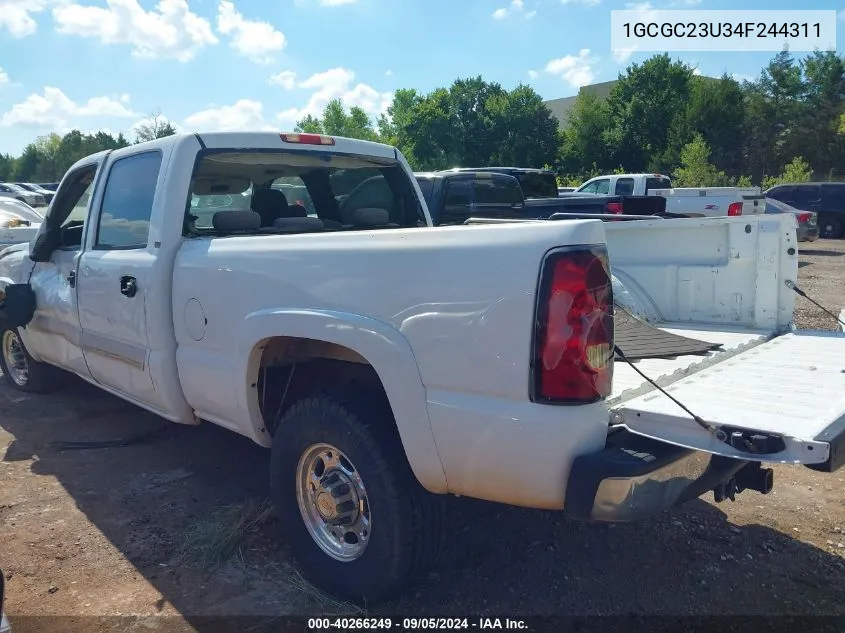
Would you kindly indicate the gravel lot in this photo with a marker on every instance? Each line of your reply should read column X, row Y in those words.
column 178, row 527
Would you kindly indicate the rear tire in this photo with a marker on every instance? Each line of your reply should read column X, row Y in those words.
column 830, row 227
column 358, row 522
column 21, row 371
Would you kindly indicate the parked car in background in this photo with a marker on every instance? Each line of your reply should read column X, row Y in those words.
column 808, row 228
column 561, row 190
column 826, row 199
column 455, row 195
column 18, row 222
column 21, row 210
column 535, row 183
column 50, row 186
column 688, row 201
column 48, row 195
column 8, row 190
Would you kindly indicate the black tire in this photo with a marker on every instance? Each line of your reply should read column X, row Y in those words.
column 406, row 521
column 830, row 227
column 40, row 377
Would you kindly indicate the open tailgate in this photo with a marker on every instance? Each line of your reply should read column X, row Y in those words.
column 782, row 401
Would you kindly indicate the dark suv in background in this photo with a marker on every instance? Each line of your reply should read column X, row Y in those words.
column 826, row 199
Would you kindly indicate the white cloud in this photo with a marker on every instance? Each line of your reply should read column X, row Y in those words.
column 243, row 115
column 336, row 3
column 639, row 6
column 696, row 72
column 740, row 77
column 388, row 73
column 622, row 55
column 336, row 83
column 586, row 3
column 515, row 7
column 169, row 30
column 286, row 79
column 54, row 109
column 16, row 16
column 254, row 40
column 533, row 74
column 4, row 77
column 576, row 70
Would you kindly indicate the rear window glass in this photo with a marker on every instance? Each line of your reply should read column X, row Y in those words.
column 537, row 185
column 296, row 193
column 426, row 186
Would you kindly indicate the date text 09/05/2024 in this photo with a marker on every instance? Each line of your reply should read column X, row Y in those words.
column 414, row 624
column 722, row 29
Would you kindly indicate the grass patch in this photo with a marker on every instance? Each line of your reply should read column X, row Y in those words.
column 220, row 537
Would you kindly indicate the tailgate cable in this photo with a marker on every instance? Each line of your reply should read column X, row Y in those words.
column 792, row 286
column 701, row 421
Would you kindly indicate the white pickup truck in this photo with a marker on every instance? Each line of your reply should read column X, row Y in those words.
column 689, row 201
column 386, row 361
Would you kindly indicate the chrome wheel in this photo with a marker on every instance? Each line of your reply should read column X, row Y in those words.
column 15, row 358
column 333, row 502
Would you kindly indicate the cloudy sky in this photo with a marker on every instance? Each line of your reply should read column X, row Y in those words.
column 253, row 64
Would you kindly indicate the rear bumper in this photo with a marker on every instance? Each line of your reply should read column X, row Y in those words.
column 634, row 478
column 808, row 233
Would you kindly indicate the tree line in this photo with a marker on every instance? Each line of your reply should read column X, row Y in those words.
column 787, row 124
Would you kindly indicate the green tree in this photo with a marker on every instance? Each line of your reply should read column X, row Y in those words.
column 644, row 105
column 336, row 121
column 155, row 126
column 583, row 143
column 696, row 169
column 797, row 170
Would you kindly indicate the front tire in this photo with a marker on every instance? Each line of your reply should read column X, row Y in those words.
column 359, row 524
column 21, row 371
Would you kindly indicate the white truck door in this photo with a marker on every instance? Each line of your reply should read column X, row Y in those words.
column 114, row 274
column 54, row 332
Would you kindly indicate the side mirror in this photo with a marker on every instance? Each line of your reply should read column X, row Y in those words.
column 45, row 243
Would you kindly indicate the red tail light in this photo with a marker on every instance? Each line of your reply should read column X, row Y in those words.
column 573, row 340
column 613, row 207
column 735, row 208
column 804, row 217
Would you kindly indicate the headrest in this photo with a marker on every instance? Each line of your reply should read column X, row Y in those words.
column 268, row 201
column 298, row 225
column 296, row 211
column 214, row 186
column 368, row 216
column 236, row 221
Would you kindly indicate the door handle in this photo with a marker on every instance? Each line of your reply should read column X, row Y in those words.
column 71, row 278
column 128, row 286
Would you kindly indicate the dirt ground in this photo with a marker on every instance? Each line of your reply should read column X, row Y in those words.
column 179, row 527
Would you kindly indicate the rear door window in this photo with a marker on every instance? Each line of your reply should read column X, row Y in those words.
column 426, row 187
column 807, row 196
column 624, row 187
column 538, row 185
column 497, row 192
column 603, row 185
column 457, row 201
column 833, row 197
column 657, row 183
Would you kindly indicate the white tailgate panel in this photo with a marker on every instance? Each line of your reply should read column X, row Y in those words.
column 793, row 386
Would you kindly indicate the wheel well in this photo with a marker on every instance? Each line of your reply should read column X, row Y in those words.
column 292, row 368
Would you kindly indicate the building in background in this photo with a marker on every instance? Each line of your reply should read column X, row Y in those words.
column 561, row 107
